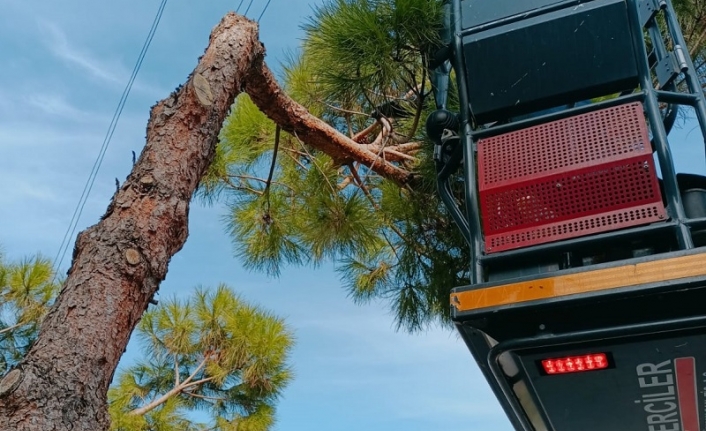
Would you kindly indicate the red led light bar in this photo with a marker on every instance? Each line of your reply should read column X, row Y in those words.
column 575, row 364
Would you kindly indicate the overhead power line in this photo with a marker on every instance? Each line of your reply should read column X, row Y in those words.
column 264, row 10
column 248, row 8
column 106, row 141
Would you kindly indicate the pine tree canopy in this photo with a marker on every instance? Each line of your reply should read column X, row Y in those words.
column 362, row 69
column 27, row 290
column 692, row 17
column 211, row 353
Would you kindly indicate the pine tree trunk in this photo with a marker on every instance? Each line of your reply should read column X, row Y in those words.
column 119, row 263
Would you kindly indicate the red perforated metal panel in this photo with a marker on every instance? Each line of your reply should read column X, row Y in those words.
column 568, row 178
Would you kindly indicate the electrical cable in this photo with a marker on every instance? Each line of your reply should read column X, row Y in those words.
column 264, row 10
column 248, row 8
column 239, row 4
column 106, row 142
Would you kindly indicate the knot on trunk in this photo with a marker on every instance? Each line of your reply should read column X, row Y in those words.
column 10, row 382
column 132, row 256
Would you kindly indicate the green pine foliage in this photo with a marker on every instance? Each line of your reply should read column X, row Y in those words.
column 27, row 289
column 692, row 18
column 388, row 243
column 359, row 48
column 212, row 353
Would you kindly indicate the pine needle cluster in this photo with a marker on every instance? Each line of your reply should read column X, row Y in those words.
column 212, row 353
column 362, row 68
column 28, row 288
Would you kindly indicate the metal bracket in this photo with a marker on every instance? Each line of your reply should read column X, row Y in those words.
column 450, row 152
column 437, row 153
column 667, row 69
column 648, row 10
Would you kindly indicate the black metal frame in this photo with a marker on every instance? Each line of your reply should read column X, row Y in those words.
column 468, row 217
column 475, row 326
column 548, row 341
column 643, row 15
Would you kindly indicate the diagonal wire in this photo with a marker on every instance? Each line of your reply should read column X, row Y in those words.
column 106, row 142
column 248, row 8
column 264, row 10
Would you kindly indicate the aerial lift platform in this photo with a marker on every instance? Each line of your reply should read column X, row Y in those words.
column 586, row 308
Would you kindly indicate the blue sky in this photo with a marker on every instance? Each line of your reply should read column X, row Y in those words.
column 64, row 66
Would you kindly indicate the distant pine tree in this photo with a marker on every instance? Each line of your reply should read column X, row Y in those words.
column 363, row 69
column 210, row 352
column 27, row 290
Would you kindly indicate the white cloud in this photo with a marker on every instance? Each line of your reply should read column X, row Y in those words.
column 109, row 71
column 22, row 136
column 57, row 106
column 58, row 44
column 406, row 378
column 352, row 370
column 20, row 190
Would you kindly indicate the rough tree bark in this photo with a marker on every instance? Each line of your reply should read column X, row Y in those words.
column 292, row 117
column 119, row 263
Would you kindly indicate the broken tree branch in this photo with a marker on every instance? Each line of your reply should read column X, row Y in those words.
column 265, row 92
